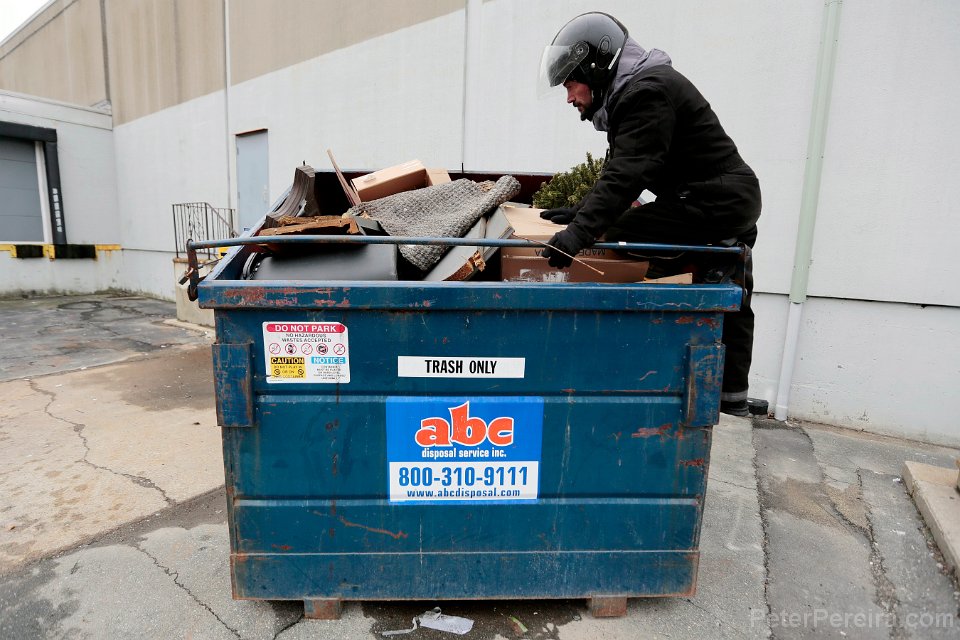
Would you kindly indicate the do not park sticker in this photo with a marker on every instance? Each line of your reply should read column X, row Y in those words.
column 311, row 352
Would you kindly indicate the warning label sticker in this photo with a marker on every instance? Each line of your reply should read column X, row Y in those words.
column 287, row 368
column 306, row 352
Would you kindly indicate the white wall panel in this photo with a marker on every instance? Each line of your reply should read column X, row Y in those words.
column 377, row 103
column 770, row 311
column 43, row 276
column 174, row 155
column 881, row 367
column 150, row 273
column 887, row 227
column 754, row 61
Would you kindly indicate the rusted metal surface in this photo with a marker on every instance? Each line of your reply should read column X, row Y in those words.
column 704, row 373
column 649, row 432
column 608, row 606
column 324, row 609
column 396, row 535
column 193, row 271
column 233, row 383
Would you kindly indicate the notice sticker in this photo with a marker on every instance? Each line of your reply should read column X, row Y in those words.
column 306, row 352
column 482, row 449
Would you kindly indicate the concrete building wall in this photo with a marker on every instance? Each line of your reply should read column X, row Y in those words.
column 267, row 36
column 454, row 83
column 162, row 53
column 882, row 367
column 176, row 155
column 887, row 227
column 403, row 100
column 58, row 55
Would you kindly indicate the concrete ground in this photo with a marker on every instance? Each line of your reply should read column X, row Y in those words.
column 112, row 520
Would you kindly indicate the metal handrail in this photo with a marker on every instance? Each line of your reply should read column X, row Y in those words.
column 193, row 269
column 200, row 220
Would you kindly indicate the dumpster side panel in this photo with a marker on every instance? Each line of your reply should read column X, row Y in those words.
column 628, row 387
column 330, row 448
column 572, row 352
column 431, row 576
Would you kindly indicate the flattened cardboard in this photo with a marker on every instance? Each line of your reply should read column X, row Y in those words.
column 533, row 269
column 527, row 224
column 348, row 189
column 437, row 176
column 680, row 278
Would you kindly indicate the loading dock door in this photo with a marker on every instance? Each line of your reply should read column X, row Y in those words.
column 21, row 218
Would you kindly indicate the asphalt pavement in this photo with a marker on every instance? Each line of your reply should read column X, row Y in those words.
column 112, row 518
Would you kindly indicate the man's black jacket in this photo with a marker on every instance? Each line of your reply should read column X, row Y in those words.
column 664, row 137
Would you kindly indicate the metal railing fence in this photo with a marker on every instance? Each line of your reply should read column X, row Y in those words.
column 200, row 221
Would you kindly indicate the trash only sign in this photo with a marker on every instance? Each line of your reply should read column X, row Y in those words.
column 482, row 449
column 306, row 352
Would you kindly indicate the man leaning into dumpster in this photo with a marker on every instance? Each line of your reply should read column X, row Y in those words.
column 663, row 137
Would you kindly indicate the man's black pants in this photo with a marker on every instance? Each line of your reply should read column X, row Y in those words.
column 719, row 211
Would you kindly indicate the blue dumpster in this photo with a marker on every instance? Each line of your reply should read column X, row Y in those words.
column 422, row 441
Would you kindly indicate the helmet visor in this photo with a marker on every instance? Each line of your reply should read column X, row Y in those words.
column 558, row 62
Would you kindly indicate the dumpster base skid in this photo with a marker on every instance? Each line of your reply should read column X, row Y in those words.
column 608, row 606
column 600, row 607
column 322, row 609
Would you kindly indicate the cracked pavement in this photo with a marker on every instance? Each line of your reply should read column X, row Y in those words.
column 112, row 519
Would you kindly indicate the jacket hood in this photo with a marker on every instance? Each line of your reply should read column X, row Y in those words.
column 633, row 60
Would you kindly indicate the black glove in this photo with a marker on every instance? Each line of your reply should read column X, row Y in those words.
column 563, row 215
column 570, row 241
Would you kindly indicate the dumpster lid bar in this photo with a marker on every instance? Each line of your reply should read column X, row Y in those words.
column 436, row 296
column 470, row 242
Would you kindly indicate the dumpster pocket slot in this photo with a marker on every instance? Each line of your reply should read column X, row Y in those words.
column 701, row 402
column 233, row 382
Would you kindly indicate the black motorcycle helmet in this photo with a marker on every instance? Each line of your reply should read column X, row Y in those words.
column 587, row 49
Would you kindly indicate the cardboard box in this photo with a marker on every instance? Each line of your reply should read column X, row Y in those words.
column 528, row 225
column 386, row 182
column 396, row 179
column 680, row 278
column 437, row 176
column 533, row 269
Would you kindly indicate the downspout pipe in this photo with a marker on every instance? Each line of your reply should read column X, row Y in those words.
column 471, row 55
column 813, row 171
column 227, row 82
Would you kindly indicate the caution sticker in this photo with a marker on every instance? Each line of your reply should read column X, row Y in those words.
column 288, row 367
column 306, row 352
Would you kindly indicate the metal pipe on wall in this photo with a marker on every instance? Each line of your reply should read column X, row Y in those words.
column 816, row 142
column 471, row 53
column 227, row 81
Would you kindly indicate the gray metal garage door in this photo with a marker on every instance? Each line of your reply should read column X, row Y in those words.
column 20, row 214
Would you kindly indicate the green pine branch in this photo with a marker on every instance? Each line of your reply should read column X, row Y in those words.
column 568, row 188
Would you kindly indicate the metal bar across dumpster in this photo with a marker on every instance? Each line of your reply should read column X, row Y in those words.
column 416, row 441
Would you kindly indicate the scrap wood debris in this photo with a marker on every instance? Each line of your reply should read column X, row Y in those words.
column 315, row 225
